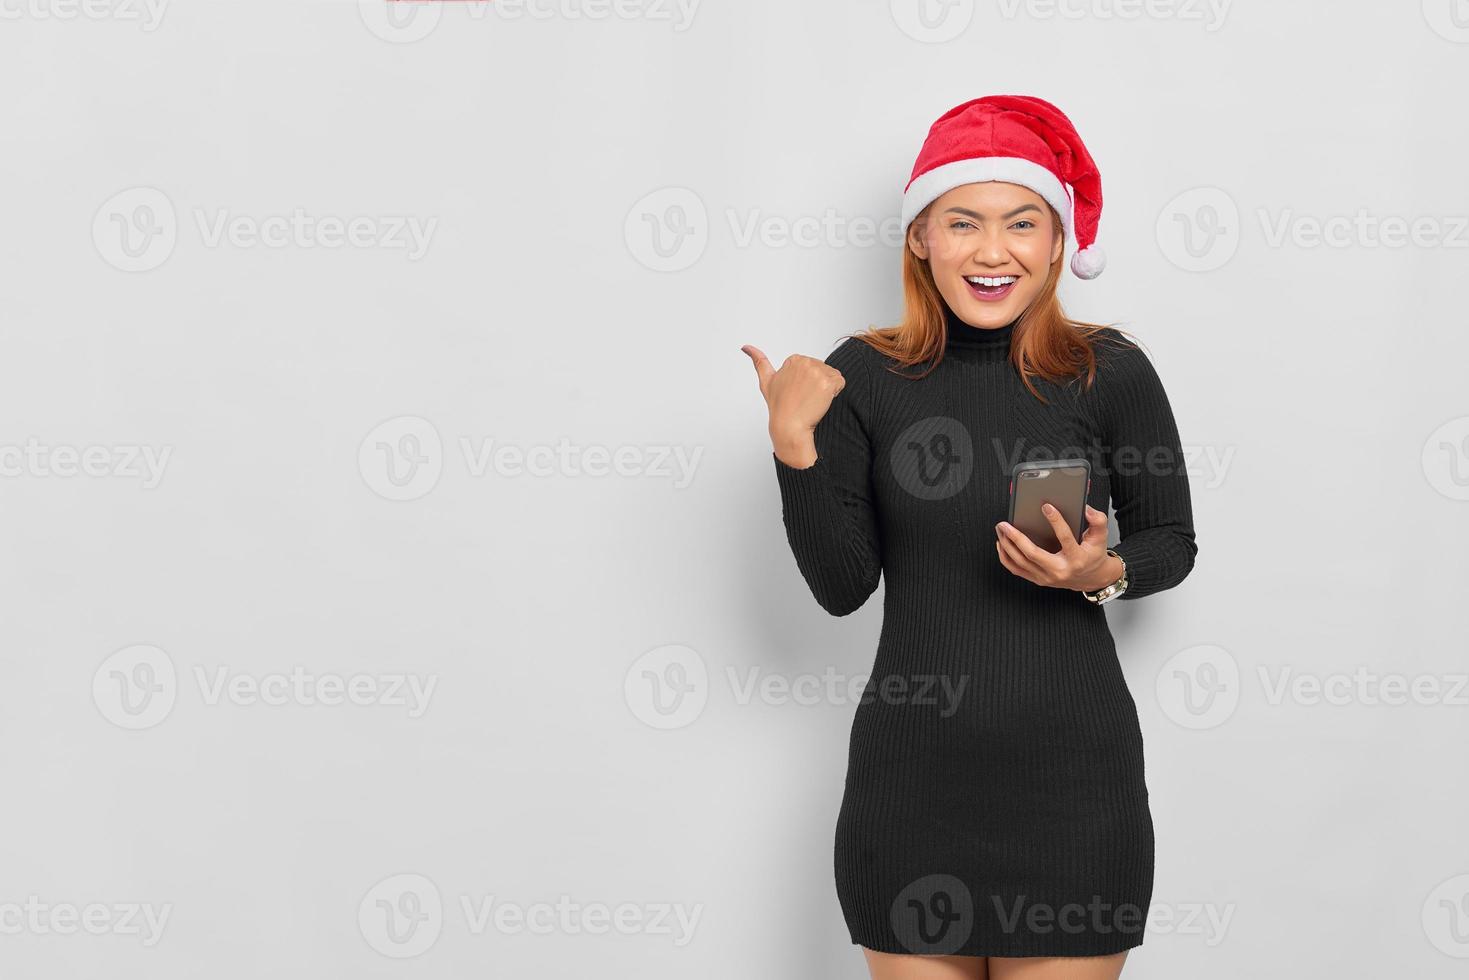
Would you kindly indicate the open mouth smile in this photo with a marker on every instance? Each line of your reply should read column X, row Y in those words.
column 990, row 288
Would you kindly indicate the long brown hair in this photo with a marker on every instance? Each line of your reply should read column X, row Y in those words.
column 1046, row 342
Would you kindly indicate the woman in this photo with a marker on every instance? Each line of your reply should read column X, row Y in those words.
column 998, row 827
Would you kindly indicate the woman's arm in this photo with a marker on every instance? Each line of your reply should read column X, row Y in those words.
column 1149, row 483
column 831, row 522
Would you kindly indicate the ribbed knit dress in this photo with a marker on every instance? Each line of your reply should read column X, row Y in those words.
column 995, row 803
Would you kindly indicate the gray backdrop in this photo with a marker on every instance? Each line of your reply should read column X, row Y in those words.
column 394, row 577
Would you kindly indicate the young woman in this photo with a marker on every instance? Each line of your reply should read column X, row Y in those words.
column 995, row 821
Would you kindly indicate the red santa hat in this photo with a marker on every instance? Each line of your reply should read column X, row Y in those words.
column 1021, row 140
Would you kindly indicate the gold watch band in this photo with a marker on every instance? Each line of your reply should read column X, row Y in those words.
column 1109, row 591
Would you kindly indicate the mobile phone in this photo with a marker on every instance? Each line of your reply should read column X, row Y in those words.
column 1062, row 483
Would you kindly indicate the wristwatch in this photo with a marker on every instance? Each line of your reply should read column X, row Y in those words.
column 1109, row 592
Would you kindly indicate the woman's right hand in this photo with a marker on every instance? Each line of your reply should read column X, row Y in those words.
column 798, row 396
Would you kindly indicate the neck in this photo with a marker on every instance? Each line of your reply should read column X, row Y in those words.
column 961, row 334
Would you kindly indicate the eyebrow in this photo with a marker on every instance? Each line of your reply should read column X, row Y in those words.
column 975, row 214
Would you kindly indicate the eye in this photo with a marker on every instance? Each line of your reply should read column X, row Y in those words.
column 1026, row 222
column 961, row 223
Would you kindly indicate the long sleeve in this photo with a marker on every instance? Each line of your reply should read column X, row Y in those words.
column 1149, row 482
column 827, row 507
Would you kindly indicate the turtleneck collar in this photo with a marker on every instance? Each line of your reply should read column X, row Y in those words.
column 962, row 335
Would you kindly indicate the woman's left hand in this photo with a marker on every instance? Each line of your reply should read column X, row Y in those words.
column 1082, row 564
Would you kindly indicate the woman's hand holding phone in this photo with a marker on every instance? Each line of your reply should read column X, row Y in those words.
column 798, row 396
column 1083, row 564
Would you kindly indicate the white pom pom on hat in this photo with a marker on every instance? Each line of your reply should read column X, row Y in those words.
column 1021, row 140
column 1089, row 262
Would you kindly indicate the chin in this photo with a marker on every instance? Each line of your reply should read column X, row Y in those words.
column 990, row 314
column 981, row 314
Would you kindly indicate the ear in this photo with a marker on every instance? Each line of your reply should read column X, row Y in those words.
column 1058, row 244
column 915, row 239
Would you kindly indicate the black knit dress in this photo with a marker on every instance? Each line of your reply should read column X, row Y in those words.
column 995, row 803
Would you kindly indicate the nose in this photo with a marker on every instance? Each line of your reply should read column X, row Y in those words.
column 990, row 249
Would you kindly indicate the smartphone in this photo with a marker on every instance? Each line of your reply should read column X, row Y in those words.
column 1062, row 483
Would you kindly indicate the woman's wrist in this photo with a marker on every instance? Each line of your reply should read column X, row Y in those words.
column 793, row 446
column 1108, row 572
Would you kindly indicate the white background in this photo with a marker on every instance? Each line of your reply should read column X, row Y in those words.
column 587, row 177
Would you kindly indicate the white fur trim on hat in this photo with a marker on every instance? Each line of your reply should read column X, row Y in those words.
column 929, row 187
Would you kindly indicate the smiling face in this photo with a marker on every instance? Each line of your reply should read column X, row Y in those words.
column 990, row 247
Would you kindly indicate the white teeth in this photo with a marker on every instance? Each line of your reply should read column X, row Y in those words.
column 992, row 280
